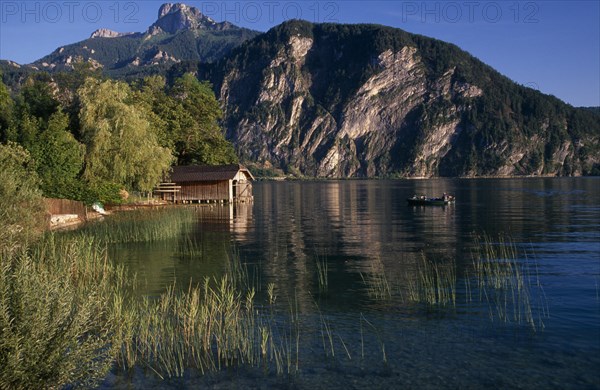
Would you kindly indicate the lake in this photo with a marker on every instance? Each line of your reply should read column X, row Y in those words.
column 361, row 329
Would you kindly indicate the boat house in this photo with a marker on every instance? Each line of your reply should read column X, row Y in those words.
column 207, row 184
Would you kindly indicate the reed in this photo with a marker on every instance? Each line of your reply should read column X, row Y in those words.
column 500, row 277
column 238, row 271
column 63, row 315
column 66, row 319
column 506, row 282
column 140, row 225
column 191, row 247
column 322, row 274
column 207, row 328
column 378, row 335
column 435, row 283
column 271, row 293
column 327, row 336
column 295, row 322
column 376, row 282
column 210, row 327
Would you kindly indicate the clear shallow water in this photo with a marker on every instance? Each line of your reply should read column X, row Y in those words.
column 366, row 227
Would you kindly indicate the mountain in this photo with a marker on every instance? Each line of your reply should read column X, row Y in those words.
column 180, row 33
column 334, row 100
column 331, row 100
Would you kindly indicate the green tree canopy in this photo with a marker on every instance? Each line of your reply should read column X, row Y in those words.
column 199, row 138
column 186, row 117
column 6, row 114
column 121, row 145
column 38, row 97
column 59, row 158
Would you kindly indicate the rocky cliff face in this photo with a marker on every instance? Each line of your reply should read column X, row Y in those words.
column 307, row 100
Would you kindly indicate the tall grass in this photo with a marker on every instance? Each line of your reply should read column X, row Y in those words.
column 210, row 327
column 140, row 225
column 376, row 281
column 505, row 281
column 378, row 335
column 435, row 283
column 65, row 320
column 322, row 274
column 207, row 328
column 62, row 314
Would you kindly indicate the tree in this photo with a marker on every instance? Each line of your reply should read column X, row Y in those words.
column 21, row 204
column 150, row 92
column 38, row 98
column 121, row 145
column 6, row 114
column 28, row 130
column 186, row 119
column 195, row 123
column 59, row 158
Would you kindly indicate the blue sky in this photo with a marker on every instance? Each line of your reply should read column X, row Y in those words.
column 553, row 46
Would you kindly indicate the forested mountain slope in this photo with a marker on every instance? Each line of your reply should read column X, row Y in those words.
column 337, row 100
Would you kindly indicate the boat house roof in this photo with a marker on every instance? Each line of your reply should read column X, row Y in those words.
column 196, row 173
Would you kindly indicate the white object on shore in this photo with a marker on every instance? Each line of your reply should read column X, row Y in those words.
column 97, row 207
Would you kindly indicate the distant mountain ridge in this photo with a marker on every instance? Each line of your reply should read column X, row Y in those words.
column 180, row 33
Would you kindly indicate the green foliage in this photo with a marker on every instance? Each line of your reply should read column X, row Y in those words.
column 128, row 137
column 59, row 158
column 62, row 315
column 104, row 192
column 187, row 118
column 38, row 97
column 6, row 114
column 121, row 145
column 28, row 130
column 22, row 216
column 14, row 76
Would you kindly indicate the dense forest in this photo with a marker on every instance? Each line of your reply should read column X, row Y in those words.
column 87, row 137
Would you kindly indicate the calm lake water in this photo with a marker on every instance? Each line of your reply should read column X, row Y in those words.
column 366, row 232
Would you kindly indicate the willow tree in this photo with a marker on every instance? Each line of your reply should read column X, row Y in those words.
column 121, row 145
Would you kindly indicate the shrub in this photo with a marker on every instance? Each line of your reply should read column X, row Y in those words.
column 22, row 216
column 62, row 317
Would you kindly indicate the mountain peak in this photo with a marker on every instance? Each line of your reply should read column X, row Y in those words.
column 175, row 17
column 166, row 8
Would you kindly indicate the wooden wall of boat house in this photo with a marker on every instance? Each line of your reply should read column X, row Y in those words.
column 205, row 191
